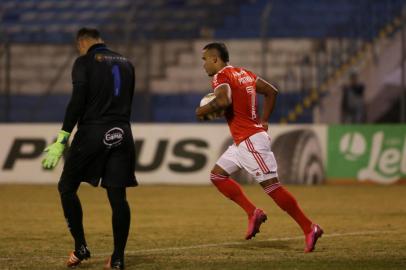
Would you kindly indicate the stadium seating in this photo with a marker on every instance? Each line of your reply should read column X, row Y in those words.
column 55, row 21
column 173, row 108
column 163, row 39
column 52, row 21
column 281, row 55
column 311, row 19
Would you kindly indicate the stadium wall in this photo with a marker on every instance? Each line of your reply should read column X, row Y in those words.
column 185, row 153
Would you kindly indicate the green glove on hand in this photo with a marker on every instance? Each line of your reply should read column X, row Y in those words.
column 55, row 150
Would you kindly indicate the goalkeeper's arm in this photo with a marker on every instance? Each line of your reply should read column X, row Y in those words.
column 73, row 112
column 77, row 103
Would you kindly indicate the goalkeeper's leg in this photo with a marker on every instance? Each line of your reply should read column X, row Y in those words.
column 72, row 210
column 121, row 222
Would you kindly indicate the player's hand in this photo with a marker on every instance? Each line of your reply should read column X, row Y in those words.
column 55, row 151
column 199, row 115
column 202, row 118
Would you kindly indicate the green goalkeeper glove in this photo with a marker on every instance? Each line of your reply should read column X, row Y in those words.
column 55, row 150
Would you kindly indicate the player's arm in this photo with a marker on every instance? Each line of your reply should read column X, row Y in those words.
column 74, row 110
column 76, row 105
column 269, row 92
column 219, row 103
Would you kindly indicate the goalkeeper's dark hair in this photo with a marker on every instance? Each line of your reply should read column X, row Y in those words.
column 88, row 33
column 220, row 48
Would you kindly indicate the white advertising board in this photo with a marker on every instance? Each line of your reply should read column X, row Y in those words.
column 166, row 153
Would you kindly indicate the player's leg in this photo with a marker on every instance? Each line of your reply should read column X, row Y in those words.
column 231, row 189
column 258, row 159
column 72, row 210
column 118, row 175
column 121, row 217
column 287, row 202
column 220, row 177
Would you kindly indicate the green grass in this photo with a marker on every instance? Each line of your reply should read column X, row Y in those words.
column 175, row 227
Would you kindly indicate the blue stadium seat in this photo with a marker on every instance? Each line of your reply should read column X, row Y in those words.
column 185, row 18
column 163, row 108
column 153, row 19
column 312, row 19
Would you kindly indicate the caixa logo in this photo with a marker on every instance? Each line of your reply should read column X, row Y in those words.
column 113, row 137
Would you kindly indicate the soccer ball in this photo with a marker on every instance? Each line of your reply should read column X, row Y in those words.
column 205, row 100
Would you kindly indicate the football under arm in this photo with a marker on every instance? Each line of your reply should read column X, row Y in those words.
column 220, row 102
column 269, row 92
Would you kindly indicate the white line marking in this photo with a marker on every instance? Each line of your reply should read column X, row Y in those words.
column 248, row 242
column 239, row 243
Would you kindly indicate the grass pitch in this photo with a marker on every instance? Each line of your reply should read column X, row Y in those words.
column 176, row 227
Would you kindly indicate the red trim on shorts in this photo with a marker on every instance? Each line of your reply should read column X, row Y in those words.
column 257, row 156
column 254, row 154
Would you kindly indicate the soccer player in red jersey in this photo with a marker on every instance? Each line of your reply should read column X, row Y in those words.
column 235, row 90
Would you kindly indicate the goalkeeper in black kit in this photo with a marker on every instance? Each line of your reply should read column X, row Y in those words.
column 102, row 151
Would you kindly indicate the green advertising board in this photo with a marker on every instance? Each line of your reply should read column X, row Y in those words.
column 374, row 153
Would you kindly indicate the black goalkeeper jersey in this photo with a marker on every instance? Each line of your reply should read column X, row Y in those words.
column 103, row 88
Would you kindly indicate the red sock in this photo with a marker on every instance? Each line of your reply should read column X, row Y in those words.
column 285, row 200
column 232, row 190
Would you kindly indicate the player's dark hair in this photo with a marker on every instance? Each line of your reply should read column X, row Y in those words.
column 88, row 33
column 221, row 48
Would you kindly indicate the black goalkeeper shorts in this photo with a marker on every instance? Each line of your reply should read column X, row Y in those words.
column 101, row 153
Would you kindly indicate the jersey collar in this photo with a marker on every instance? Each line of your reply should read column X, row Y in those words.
column 228, row 66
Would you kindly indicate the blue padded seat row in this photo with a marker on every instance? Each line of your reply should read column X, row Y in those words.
column 157, row 108
column 312, row 18
column 161, row 18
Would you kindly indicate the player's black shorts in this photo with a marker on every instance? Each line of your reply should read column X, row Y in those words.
column 103, row 153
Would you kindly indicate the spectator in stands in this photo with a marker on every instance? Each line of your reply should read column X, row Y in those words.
column 352, row 105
